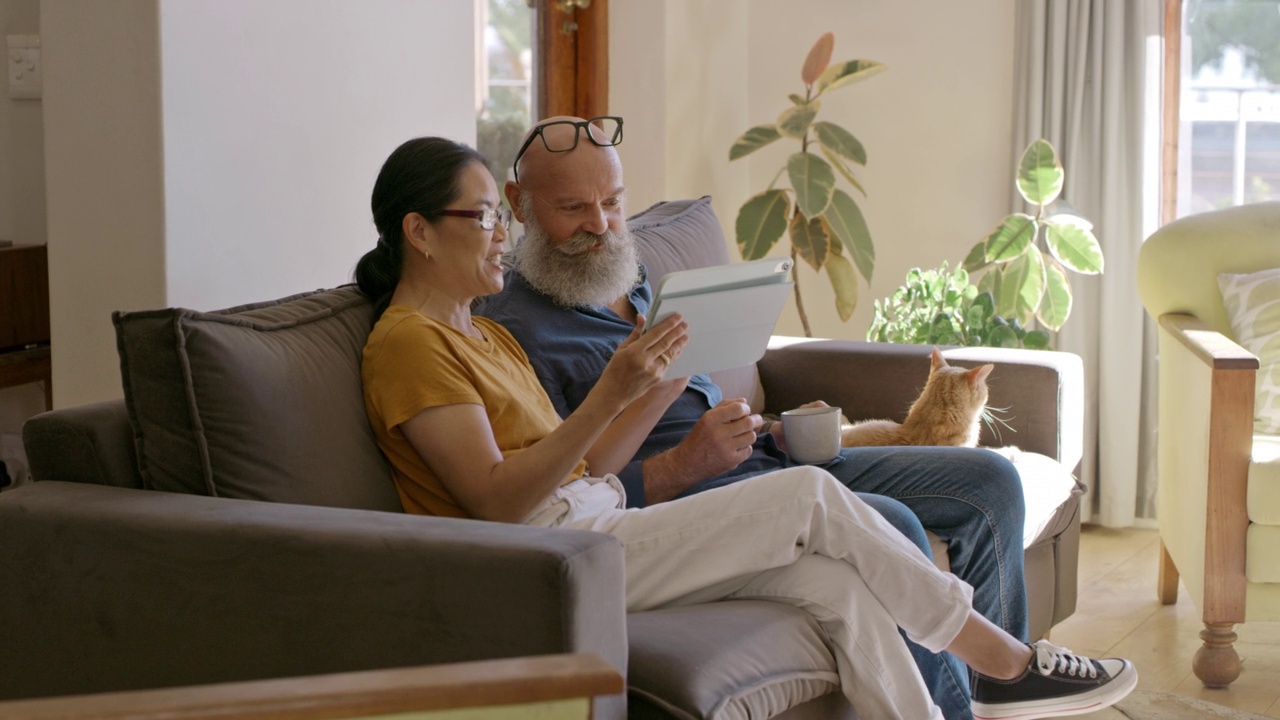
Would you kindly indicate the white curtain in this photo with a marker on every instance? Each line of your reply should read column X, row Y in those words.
column 1079, row 83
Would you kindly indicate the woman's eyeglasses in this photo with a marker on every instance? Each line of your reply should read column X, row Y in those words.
column 489, row 218
column 603, row 131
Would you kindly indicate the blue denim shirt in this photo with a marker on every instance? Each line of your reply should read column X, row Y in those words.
column 569, row 349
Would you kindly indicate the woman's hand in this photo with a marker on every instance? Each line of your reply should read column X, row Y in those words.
column 641, row 361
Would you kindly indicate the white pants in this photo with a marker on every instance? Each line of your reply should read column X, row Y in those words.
column 794, row 536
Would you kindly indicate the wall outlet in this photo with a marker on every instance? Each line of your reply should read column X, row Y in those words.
column 26, row 71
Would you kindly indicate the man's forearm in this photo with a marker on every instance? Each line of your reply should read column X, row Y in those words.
column 665, row 477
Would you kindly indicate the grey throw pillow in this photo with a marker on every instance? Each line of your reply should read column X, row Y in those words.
column 258, row 402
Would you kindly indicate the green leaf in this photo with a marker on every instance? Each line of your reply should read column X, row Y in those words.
column 1074, row 245
column 1003, row 336
column 1018, row 288
column 761, row 222
column 838, row 164
column 1011, row 238
column 1056, row 305
column 796, row 99
column 987, row 283
column 845, row 283
column 752, row 140
column 812, row 180
column 1036, row 340
column 943, row 331
column 846, row 72
column 977, row 258
column 986, row 302
column 794, row 121
column 840, row 141
column 1040, row 174
column 810, row 239
column 846, row 221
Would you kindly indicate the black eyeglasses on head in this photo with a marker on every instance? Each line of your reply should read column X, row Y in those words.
column 603, row 131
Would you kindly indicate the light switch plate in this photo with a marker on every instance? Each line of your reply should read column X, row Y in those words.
column 26, row 75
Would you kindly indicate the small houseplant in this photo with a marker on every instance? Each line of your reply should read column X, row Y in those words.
column 822, row 221
column 1023, row 265
column 942, row 307
column 1024, row 261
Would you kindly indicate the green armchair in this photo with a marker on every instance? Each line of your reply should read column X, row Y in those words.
column 1219, row 492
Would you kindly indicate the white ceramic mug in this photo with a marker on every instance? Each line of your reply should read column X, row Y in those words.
column 812, row 434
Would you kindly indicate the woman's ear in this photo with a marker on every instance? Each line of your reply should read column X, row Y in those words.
column 416, row 232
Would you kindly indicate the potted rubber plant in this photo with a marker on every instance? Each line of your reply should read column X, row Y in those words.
column 823, row 222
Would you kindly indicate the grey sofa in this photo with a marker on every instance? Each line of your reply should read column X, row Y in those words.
column 233, row 520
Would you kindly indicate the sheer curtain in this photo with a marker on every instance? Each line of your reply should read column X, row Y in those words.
column 1080, row 84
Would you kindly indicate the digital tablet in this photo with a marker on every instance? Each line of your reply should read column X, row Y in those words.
column 731, row 311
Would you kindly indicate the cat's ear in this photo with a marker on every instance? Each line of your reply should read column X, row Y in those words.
column 937, row 361
column 979, row 374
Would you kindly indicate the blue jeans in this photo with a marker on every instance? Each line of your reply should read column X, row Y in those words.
column 972, row 499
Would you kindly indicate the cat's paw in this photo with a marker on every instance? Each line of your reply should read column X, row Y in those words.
column 1011, row 452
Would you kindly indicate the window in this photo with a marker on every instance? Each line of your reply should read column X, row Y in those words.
column 507, row 81
column 1229, row 104
column 537, row 58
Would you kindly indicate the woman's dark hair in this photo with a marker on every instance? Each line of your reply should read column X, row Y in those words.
column 420, row 176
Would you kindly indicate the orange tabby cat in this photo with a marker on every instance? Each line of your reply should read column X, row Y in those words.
column 946, row 413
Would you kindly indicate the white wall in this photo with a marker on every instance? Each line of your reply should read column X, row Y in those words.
column 205, row 154
column 104, row 185
column 21, row 134
column 935, row 125
column 21, row 189
column 277, row 117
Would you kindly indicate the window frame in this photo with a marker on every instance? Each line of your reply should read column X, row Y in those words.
column 572, row 51
column 1171, row 96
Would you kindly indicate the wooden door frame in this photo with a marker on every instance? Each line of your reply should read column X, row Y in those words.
column 1171, row 98
column 573, row 58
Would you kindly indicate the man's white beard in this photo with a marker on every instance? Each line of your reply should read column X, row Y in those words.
column 571, row 273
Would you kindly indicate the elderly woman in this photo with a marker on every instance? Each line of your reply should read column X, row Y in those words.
column 469, row 432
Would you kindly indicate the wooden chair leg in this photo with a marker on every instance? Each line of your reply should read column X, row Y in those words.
column 1167, row 580
column 1217, row 663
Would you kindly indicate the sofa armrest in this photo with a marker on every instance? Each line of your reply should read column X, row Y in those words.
column 86, row 443
column 116, row 589
column 1043, row 390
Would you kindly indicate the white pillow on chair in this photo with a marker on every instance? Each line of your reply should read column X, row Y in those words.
column 1252, row 302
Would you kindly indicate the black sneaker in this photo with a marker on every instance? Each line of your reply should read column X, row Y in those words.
column 1055, row 684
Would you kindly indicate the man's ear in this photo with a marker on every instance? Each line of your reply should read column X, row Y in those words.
column 512, row 191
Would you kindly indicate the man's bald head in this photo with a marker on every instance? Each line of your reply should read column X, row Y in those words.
column 543, row 156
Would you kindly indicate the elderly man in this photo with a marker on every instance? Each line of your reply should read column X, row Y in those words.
column 575, row 292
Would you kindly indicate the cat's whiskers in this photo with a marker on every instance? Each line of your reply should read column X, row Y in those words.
column 991, row 420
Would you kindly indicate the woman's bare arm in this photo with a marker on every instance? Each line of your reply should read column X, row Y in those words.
column 457, row 443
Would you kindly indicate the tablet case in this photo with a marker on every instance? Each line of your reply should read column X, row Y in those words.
column 731, row 311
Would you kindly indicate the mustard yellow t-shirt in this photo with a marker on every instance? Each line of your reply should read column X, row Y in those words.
column 412, row 363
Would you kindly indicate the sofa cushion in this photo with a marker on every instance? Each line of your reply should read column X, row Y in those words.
column 686, row 234
column 1264, row 480
column 732, row 659
column 259, row 402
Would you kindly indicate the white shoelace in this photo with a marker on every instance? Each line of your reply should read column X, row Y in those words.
column 1049, row 656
